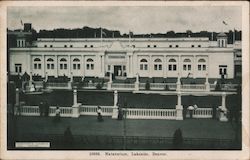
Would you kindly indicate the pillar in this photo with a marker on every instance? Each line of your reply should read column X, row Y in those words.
column 71, row 77
column 179, row 108
column 223, row 112
column 76, row 106
column 46, row 76
column 17, row 96
column 109, row 87
column 137, row 82
column 178, row 84
column 115, row 107
column 207, row 83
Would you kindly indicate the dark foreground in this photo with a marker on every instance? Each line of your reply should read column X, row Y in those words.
column 87, row 133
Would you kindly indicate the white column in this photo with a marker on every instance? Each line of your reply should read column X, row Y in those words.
column 164, row 66
column 179, row 107
column 179, row 66
column 137, row 82
column 43, row 66
column 115, row 108
column 17, row 96
column 194, row 67
column 223, row 112
column 178, row 83
column 150, row 66
column 75, row 97
column 56, row 65
column 83, row 66
column 76, row 106
column 69, row 66
column 207, row 83
column 109, row 87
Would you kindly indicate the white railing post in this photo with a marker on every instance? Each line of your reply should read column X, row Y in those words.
column 179, row 108
column 17, row 96
column 115, row 108
column 109, row 87
column 137, row 82
column 75, row 107
column 223, row 108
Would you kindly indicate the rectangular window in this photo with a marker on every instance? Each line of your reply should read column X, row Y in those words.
column 87, row 67
column 141, row 66
column 124, row 68
column 78, row 66
column 189, row 67
column 108, row 67
column 174, row 67
column 192, row 46
column 48, row 66
column 170, row 46
column 160, row 67
column 184, row 67
column 199, row 46
column 199, row 67
column 176, row 46
column 61, row 66
column 35, row 66
column 148, row 46
column 170, row 67
column 220, row 70
column 52, row 66
column 65, row 66
column 155, row 67
column 92, row 66
column 18, row 68
column 225, row 71
column 39, row 66
column 51, row 46
column 74, row 66
column 204, row 67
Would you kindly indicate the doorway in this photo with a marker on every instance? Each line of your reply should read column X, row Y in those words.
column 117, row 70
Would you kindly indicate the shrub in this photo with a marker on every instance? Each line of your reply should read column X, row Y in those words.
column 98, row 86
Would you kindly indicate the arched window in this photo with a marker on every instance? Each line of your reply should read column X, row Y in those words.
column 202, row 66
column 50, row 63
column 37, row 63
column 76, row 64
column 63, row 63
column 143, row 64
column 157, row 64
column 172, row 65
column 187, row 64
column 90, row 64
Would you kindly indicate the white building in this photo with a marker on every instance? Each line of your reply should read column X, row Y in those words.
column 154, row 57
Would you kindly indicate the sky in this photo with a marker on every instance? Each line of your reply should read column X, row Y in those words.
column 149, row 19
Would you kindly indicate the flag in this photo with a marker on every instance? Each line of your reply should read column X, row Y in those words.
column 224, row 23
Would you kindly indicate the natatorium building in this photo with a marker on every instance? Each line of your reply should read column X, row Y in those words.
column 124, row 57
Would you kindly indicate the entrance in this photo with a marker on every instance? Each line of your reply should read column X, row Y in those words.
column 117, row 70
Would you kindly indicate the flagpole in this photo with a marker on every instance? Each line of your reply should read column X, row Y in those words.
column 129, row 38
column 101, row 37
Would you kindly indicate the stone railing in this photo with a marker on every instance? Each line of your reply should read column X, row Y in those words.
column 201, row 113
column 158, row 86
column 34, row 111
column 92, row 110
column 136, row 113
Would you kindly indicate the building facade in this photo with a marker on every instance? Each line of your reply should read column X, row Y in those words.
column 124, row 57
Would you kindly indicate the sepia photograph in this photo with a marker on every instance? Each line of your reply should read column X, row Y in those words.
column 125, row 81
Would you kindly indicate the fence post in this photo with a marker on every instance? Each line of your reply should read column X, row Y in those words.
column 179, row 108
column 109, row 82
column 115, row 107
column 76, row 106
column 223, row 116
